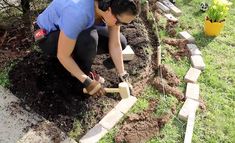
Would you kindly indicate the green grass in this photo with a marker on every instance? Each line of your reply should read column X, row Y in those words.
column 4, row 78
column 217, row 83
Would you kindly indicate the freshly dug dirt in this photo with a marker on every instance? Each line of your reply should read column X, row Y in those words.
column 171, row 28
column 169, row 75
column 162, row 86
column 49, row 90
column 166, row 81
column 45, row 86
column 138, row 128
column 181, row 50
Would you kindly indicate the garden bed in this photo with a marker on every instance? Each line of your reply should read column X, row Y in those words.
column 45, row 87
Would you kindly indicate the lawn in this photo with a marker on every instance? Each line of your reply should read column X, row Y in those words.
column 217, row 83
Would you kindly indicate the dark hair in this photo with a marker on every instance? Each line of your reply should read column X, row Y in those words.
column 121, row 6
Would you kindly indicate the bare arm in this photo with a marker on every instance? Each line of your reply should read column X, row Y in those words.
column 115, row 48
column 64, row 52
column 65, row 49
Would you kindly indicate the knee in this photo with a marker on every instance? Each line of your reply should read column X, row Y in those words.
column 123, row 41
column 90, row 41
column 86, row 46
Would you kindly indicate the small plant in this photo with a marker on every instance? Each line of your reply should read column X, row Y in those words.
column 143, row 1
column 218, row 10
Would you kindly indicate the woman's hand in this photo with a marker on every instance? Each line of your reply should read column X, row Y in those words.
column 124, row 77
column 95, row 88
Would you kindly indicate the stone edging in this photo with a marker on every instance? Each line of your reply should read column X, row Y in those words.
column 108, row 121
column 188, row 111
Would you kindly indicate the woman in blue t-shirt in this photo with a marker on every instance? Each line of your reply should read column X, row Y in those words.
column 76, row 28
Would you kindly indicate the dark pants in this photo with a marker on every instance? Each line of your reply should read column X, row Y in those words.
column 89, row 42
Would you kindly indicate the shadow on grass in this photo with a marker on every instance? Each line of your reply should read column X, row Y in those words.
column 187, row 2
column 198, row 13
column 202, row 40
column 181, row 126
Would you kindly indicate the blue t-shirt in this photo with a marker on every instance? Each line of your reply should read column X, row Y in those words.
column 71, row 16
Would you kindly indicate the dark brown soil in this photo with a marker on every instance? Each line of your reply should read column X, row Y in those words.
column 138, row 128
column 45, row 87
column 14, row 43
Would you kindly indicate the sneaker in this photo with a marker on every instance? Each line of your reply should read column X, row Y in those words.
column 93, row 75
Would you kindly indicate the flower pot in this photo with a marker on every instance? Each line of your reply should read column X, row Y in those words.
column 213, row 28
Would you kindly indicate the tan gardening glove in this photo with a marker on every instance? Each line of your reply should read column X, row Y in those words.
column 95, row 89
column 124, row 77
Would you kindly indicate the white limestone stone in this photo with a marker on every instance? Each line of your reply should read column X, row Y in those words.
column 125, row 104
column 94, row 134
column 197, row 62
column 110, row 120
column 192, row 91
column 193, row 49
column 192, row 75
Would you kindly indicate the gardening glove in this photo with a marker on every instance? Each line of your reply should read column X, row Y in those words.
column 124, row 77
column 94, row 88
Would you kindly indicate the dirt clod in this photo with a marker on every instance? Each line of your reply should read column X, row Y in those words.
column 169, row 75
column 202, row 105
column 171, row 28
column 162, row 86
column 138, row 128
column 180, row 44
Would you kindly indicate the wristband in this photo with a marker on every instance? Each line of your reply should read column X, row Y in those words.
column 122, row 74
column 87, row 82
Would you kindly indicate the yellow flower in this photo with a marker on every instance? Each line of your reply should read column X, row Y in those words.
column 214, row 7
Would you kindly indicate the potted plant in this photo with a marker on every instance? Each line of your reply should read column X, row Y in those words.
column 214, row 21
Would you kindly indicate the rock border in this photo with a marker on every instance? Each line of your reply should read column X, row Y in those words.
column 187, row 112
column 108, row 121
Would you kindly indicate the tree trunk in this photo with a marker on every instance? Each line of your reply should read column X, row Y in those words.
column 25, row 6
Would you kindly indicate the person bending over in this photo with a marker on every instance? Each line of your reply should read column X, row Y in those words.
column 76, row 29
